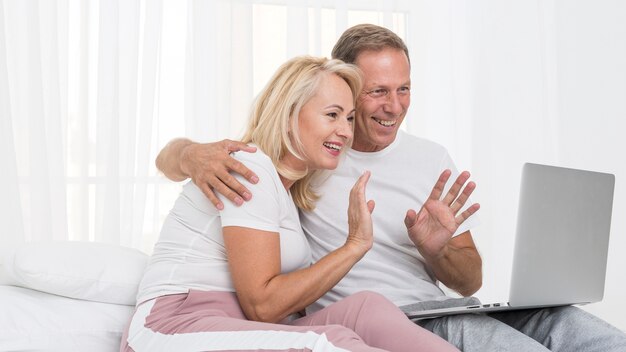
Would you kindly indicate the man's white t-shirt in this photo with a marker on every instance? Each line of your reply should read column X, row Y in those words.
column 403, row 175
column 190, row 252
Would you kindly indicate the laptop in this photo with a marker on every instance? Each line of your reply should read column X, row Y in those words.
column 561, row 242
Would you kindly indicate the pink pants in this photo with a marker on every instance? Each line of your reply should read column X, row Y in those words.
column 213, row 321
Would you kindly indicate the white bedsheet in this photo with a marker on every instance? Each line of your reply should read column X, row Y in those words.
column 36, row 321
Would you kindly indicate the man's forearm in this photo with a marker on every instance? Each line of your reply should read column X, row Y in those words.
column 168, row 160
column 460, row 269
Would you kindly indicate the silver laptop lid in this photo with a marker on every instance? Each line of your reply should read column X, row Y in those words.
column 562, row 236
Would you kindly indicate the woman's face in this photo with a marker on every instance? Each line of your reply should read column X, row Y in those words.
column 325, row 123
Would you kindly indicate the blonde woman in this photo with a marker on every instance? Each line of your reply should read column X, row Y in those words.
column 236, row 278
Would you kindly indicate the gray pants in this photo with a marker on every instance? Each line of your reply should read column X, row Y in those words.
column 556, row 329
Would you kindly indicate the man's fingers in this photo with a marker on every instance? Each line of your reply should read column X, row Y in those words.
column 410, row 218
column 441, row 183
column 235, row 146
column 467, row 213
column 225, row 190
column 460, row 202
column 241, row 169
column 209, row 194
column 229, row 181
column 456, row 187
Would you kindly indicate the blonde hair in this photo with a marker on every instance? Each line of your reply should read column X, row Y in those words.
column 276, row 110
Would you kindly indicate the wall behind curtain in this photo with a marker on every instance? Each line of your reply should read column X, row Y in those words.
column 548, row 81
column 91, row 90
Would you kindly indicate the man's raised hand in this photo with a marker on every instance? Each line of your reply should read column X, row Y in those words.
column 433, row 226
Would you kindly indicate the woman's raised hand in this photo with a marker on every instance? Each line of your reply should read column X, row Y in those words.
column 360, row 232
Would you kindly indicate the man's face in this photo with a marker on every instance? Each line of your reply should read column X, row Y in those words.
column 382, row 105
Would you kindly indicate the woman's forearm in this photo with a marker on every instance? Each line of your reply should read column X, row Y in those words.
column 288, row 293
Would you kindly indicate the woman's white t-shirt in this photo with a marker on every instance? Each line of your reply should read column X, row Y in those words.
column 190, row 252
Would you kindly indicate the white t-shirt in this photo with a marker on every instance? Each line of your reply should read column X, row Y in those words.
column 190, row 252
column 403, row 175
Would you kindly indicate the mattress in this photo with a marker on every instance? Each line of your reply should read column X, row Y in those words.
column 36, row 321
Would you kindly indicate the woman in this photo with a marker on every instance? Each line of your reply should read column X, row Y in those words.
column 235, row 279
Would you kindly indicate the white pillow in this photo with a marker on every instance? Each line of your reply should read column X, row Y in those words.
column 83, row 270
column 5, row 278
column 37, row 321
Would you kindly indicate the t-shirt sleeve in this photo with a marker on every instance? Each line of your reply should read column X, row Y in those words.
column 262, row 212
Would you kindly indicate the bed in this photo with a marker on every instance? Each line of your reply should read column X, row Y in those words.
column 67, row 296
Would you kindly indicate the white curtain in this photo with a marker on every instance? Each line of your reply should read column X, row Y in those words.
column 78, row 109
column 91, row 90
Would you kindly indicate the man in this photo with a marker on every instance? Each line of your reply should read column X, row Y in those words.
column 412, row 250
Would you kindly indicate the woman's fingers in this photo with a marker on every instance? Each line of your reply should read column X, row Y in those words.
column 371, row 205
column 358, row 190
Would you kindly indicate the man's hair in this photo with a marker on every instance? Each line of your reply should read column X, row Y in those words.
column 364, row 37
column 275, row 115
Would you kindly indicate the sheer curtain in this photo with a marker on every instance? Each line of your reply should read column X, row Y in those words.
column 91, row 90
column 78, row 103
